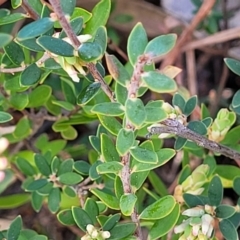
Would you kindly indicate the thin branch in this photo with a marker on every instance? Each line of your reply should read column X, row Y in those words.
column 76, row 43
column 174, row 127
column 28, row 9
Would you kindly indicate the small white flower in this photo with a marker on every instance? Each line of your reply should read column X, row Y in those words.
column 194, row 212
column 181, row 228
column 207, row 222
column 106, row 234
column 94, row 233
column 90, row 228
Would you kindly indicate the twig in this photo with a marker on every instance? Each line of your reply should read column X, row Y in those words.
column 27, row 8
column 76, row 43
column 174, row 127
column 201, row 14
column 191, row 72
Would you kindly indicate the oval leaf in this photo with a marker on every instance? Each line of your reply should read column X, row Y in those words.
column 215, row 191
column 81, row 218
column 144, row 155
column 14, row 229
column 30, row 75
column 54, row 199
column 5, row 117
column 228, row 230
column 108, row 109
column 233, row 65
column 90, row 51
column 125, row 140
column 109, row 167
column 70, row 178
column 65, row 217
column 127, row 203
column 5, row 39
column 224, row 211
column 15, row 53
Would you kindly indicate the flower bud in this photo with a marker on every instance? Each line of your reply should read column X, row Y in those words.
column 194, row 212
column 106, row 234
column 207, row 222
column 90, row 228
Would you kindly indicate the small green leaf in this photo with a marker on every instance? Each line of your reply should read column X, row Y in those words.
column 110, row 167
column 19, row 100
column 137, row 42
column 15, row 53
column 161, row 45
column 45, row 190
column 233, row 65
column 117, row 70
column 228, row 230
column 137, row 179
column 195, row 200
column 23, row 128
column 42, row 165
column 12, row 18
column 110, row 200
column 179, row 101
column 5, row 117
column 92, row 209
column 37, row 184
column 157, row 184
column 54, row 199
column 159, row 209
column 93, row 174
column 110, row 123
column 25, row 167
column 155, row 114
column 144, row 155
column 108, row 149
column 30, row 75
column 236, row 185
column 162, row 226
column 39, row 96
column 70, row 133
column 108, row 109
column 35, row 29
column 180, row 143
column 81, row 218
column 14, row 229
column 88, row 93
column 159, row 82
column 65, row 217
column 215, row 191
column 224, row 211
column 127, row 203
column 236, row 99
column 190, row 105
column 197, row 127
column 37, row 201
column 68, row 6
column 135, row 111
column 111, row 222
column 90, row 51
column 69, row 191
column 101, row 38
column 118, row 187
column 121, row 93
column 14, row 200
column 122, row 231
column 125, row 140
column 100, row 15
column 70, row 178
column 31, row 45
column 82, row 167
column 5, row 39
column 81, row 12
column 56, row 46
column 16, row 3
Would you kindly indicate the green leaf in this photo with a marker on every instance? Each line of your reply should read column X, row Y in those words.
column 162, row 226
column 121, row 93
column 110, row 200
column 117, row 70
column 25, row 167
column 108, row 149
column 5, row 39
column 157, row 184
column 19, row 100
column 95, row 142
column 69, row 191
column 92, row 209
column 37, row 201
column 76, row 24
column 100, row 15
column 68, row 89
column 45, row 190
column 39, row 96
column 127, row 203
column 118, row 187
column 70, row 133
column 111, row 222
column 66, row 166
column 93, row 174
column 81, row 12
column 12, row 18
column 31, row 45
column 135, row 111
column 137, row 179
column 81, row 218
column 121, row 231
column 90, row 51
column 14, row 229
column 5, row 117
column 215, row 191
column 195, row 200
column 68, row 6
column 179, row 101
column 56, row 46
column 233, row 65
column 82, row 167
column 70, row 178
column 23, row 128
column 197, row 127
column 37, row 184
column 110, row 167
column 101, row 38
column 159, row 82
column 144, row 155
column 15, row 53
column 155, row 114
column 42, row 165
column 108, row 109
column 30, row 75
column 35, row 29
column 190, row 105
column 54, row 199
column 65, row 217
column 228, row 230
column 9, row 178
column 16, row 3
column 224, row 211
column 180, row 143
column 111, row 124
column 137, row 42
column 236, row 99
column 163, row 156
column 161, row 45
column 236, row 185
column 14, row 200
column 125, row 140
column 88, row 93
column 159, row 209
